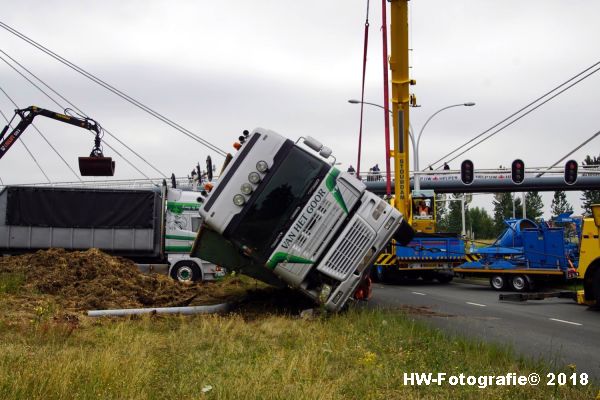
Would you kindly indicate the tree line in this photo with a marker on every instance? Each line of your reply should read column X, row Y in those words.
column 482, row 225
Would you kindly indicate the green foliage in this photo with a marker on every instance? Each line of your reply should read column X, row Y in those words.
column 441, row 213
column 11, row 282
column 453, row 220
column 534, row 206
column 590, row 197
column 481, row 224
column 560, row 204
column 503, row 209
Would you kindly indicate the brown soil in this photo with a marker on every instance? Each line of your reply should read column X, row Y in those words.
column 87, row 280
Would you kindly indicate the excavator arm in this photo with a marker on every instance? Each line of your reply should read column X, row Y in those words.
column 94, row 165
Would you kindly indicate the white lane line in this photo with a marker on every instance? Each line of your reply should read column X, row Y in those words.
column 476, row 304
column 419, row 293
column 566, row 322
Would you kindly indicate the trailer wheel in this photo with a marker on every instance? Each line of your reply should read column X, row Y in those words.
column 444, row 278
column 186, row 271
column 498, row 282
column 519, row 283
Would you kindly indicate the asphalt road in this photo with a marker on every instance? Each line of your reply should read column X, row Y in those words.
column 558, row 331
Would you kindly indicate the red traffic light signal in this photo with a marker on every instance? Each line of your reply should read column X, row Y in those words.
column 518, row 171
column 571, row 172
column 467, row 173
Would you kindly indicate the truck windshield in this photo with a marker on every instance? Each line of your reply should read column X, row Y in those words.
column 271, row 211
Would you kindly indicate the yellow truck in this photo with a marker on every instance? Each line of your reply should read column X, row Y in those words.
column 589, row 259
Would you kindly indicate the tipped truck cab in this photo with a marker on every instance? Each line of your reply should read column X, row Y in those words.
column 292, row 213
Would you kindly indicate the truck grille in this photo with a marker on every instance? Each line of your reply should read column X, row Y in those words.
column 347, row 251
column 317, row 230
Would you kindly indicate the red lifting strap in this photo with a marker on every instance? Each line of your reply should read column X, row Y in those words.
column 388, row 179
column 362, row 95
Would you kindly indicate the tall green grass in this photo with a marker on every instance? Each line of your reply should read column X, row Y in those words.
column 361, row 354
column 11, row 282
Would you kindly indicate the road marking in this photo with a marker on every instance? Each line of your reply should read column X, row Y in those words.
column 419, row 293
column 566, row 322
column 476, row 304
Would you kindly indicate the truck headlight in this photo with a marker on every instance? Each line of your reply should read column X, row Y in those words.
column 254, row 177
column 239, row 200
column 324, row 293
column 262, row 166
column 246, row 188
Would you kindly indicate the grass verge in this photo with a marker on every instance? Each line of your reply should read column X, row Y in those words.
column 361, row 354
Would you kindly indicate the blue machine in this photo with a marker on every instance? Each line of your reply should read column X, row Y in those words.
column 510, row 240
column 524, row 253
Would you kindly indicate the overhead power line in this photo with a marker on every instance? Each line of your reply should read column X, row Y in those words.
column 76, row 108
column 569, row 153
column 444, row 158
column 114, row 90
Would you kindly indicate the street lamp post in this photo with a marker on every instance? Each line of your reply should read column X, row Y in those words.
column 418, row 141
column 410, row 133
column 415, row 143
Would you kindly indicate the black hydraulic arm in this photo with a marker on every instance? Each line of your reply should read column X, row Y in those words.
column 28, row 114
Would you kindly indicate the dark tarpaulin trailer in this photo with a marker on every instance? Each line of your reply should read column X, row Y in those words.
column 121, row 222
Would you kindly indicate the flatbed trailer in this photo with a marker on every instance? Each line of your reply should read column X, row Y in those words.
column 518, row 279
column 541, row 255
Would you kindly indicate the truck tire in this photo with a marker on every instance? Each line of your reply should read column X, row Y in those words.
column 444, row 278
column 596, row 286
column 498, row 282
column 186, row 271
column 519, row 283
column 380, row 274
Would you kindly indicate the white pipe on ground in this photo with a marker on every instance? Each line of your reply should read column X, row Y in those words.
column 160, row 310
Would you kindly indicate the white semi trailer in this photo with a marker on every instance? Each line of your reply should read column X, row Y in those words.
column 155, row 228
column 282, row 212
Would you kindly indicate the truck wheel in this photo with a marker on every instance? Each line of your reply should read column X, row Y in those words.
column 519, row 283
column 186, row 271
column 498, row 282
column 444, row 278
column 379, row 274
column 596, row 286
column 376, row 273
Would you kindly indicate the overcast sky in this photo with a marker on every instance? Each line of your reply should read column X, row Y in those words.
column 219, row 67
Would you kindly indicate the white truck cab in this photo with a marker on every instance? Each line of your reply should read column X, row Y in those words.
column 291, row 212
column 182, row 224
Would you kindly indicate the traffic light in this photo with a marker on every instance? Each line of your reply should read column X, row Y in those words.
column 209, row 169
column 571, row 172
column 466, row 172
column 518, row 171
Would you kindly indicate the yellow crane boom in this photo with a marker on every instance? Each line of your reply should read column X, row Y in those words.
column 401, row 100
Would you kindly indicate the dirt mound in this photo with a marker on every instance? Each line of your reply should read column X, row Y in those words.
column 85, row 280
